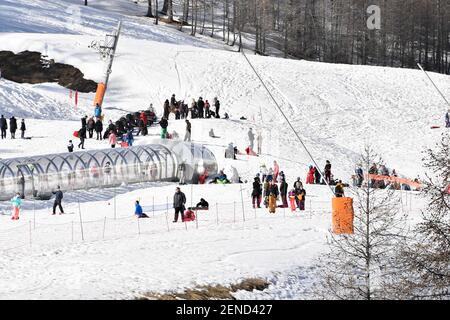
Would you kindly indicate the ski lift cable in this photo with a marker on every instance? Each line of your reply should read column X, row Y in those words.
column 287, row 120
column 434, row 84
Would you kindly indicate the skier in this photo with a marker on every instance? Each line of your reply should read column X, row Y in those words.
column 179, row 201
column 311, row 175
column 339, row 190
column 13, row 127
column 164, row 124
column 328, row 172
column 70, row 146
column 99, row 129
column 187, row 137
column 273, row 196
column 82, row 136
column 447, row 119
column 91, row 127
column 23, row 128
column 3, row 126
column 58, row 200
column 251, row 138
column 276, row 171
column 112, row 139
column 16, row 204
column 283, row 191
column 256, row 193
column 217, row 106
column 98, row 111
column 138, row 212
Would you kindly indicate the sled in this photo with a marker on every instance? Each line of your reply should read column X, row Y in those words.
column 189, row 216
column 250, row 152
column 124, row 144
column 293, row 204
column 435, row 127
column 76, row 134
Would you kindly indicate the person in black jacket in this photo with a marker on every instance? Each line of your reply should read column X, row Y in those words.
column 84, row 121
column 328, row 172
column 23, row 128
column 82, row 136
column 179, row 201
column 13, row 127
column 99, row 129
column 257, row 193
column 58, row 201
column 217, row 106
column 283, row 191
column 201, row 108
column 3, row 126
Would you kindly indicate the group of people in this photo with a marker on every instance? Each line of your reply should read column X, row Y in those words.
column 13, row 126
column 198, row 109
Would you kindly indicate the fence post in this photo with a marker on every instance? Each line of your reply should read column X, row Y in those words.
column 81, row 220
column 30, row 232
column 104, row 227
column 217, row 213
column 139, row 226
column 242, row 200
column 115, row 205
column 34, row 213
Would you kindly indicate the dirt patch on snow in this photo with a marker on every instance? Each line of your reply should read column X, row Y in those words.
column 216, row 292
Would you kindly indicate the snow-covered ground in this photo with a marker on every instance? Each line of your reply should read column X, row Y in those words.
column 337, row 109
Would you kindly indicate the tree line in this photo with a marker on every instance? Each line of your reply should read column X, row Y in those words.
column 334, row 31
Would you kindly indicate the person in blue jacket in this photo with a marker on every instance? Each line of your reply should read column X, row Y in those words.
column 129, row 138
column 98, row 111
column 138, row 212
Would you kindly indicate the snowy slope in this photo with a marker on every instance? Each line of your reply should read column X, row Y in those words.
column 335, row 108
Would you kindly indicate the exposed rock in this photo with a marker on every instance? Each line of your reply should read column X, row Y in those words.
column 30, row 67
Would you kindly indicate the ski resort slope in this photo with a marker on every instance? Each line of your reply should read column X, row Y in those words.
column 336, row 109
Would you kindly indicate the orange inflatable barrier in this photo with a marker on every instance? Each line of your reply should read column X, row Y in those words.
column 395, row 180
column 343, row 215
column 100, row 94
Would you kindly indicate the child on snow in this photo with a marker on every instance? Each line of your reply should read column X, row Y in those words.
column 16, row 204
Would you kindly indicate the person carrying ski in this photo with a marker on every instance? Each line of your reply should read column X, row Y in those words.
column 13, row 127
column 256, row 193
column 339, row 189
column 16, row 203
column 179, row 201
column 251, row 138
column 82, row 136
column 217, row 106
column 70, row 146
column 58, row 201
column 311, row 175
column 164, row 124
column 91, row 127
column 328, row 172
column 98, row 111
column 273, row 196
column 3, row 126
column 99, row 129
column 187, row 137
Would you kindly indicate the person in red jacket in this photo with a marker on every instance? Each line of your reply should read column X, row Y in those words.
column 143, row 117
column 311, row 175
